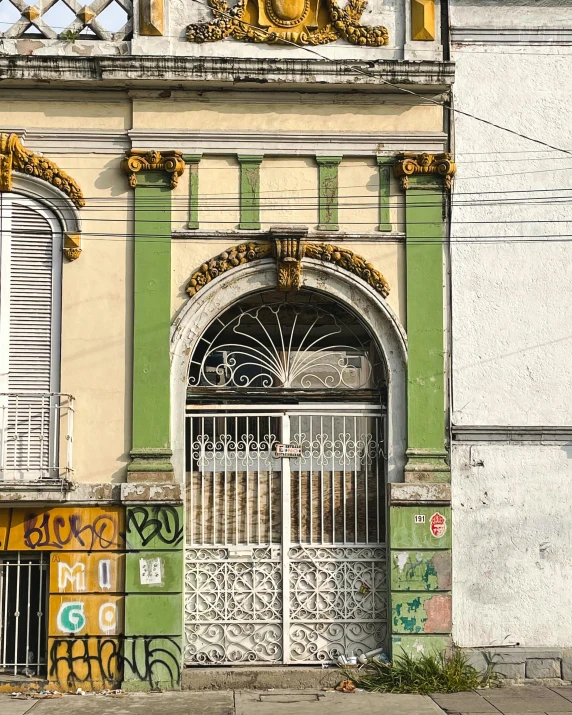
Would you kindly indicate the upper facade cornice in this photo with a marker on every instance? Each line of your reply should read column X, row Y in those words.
column 126, row 72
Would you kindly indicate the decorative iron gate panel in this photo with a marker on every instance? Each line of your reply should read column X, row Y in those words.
column 285, row 558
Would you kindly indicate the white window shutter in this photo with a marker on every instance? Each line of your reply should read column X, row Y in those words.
column 29, row 341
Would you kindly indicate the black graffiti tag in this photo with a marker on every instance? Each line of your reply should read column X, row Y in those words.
column 71, row 662
column 149, row 661
column 56, row 533
column 161, row 522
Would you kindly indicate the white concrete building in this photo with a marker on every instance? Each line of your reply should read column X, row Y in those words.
column 511, row 391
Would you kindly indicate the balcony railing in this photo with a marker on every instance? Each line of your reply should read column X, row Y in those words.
column 36, row 437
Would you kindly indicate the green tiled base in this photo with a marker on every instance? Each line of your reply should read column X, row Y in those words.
column 166, row 565
column 420, row 570
column 149, row 614
column 415, row 646
column 152, row 663
column 420, row 527
column 414, row 612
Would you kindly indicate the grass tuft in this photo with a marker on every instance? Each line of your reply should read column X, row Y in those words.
column 423, row 675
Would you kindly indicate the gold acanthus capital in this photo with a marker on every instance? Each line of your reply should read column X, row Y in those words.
column 15, row 157
column 170, row 162
column 409, row 164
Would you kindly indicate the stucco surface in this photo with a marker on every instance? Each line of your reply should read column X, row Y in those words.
column 67, row 110
column 96, row 321
column 511, row 545
column 295, row 113
column 510, row 268
column 510, row 13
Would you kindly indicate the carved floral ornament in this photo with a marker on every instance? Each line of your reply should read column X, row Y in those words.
column 289, row 254
column 302, row 22
column 15, row 157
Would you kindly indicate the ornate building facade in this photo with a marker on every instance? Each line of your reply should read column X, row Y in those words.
column 223, row 336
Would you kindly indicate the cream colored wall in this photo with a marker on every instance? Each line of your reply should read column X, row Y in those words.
column 306, row 113
column 66, row 110
column 96, row 320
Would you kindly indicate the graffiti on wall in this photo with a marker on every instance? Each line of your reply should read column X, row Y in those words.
column 66, row 528
column 90, row 663
column 154, row 527
column 80, row 572
column 155, row 661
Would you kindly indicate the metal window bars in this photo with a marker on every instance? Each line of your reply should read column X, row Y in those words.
column 36, row 436
column 23, row 611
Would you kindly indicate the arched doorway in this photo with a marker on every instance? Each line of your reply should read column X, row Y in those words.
column 285, row 464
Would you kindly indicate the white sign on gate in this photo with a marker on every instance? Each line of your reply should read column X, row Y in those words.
column 287, row 450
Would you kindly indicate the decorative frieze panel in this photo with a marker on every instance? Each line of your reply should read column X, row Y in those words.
column 301, row 22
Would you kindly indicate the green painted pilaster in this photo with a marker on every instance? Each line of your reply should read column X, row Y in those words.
column 426, row 456
column 193, row 161
column 384, row 164
column 151, row 449
column 154, row 567
column 249, row 191
column 328, row 192
column 152, row 174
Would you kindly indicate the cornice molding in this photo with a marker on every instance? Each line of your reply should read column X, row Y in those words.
column 15, row 157
column 254, row 251
column 512, row 434
column 409, row 164
column 170, row 162
column 292, row 143
column 526, row 36
column 167, row 72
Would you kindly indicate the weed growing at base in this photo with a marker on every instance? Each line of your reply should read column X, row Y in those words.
column 423, row 675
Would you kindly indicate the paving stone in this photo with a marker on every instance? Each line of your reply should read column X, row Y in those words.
column 542, row 668
column 296, row 703
column 469, row 702
column 564, row 690
column 527, row 699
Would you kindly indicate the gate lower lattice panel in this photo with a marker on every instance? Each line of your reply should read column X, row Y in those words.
column 234, row 609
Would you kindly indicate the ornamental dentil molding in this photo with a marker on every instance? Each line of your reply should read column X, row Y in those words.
column 15, row 157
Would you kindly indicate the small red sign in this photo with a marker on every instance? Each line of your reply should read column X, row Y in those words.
column 438, row 525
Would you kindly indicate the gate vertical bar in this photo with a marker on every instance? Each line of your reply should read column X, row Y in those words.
column 17, row 616
column 286, row 536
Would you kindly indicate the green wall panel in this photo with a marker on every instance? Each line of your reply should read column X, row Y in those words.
column 411, row 527
column 249, row 191
column 415, row 646
column 152, row 315
column 149, row 614
column 328, row 192
column 151, row 663
column 420, row 570
column 154, row 527
column 154, row 572
column 413, row 612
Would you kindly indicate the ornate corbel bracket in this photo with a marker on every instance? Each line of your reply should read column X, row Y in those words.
column 409, row 164
column 138, row 160
column 289, row 249
column 72, row 245
column 15, row 157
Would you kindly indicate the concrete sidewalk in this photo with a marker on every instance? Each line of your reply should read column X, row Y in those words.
column 518, row 700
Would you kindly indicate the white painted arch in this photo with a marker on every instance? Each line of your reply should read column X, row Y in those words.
column 326, row 278
column 51, row 197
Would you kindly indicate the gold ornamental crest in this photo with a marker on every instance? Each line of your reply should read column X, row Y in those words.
column 303, row 22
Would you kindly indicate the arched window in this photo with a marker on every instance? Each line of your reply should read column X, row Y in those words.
column 30, row 310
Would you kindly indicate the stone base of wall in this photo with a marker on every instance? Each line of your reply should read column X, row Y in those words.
column 524, row 664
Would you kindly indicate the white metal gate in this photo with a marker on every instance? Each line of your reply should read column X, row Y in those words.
column 285, row 559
